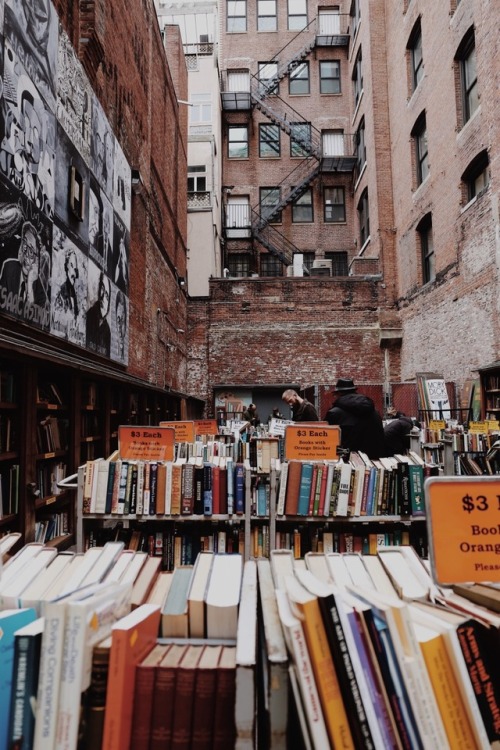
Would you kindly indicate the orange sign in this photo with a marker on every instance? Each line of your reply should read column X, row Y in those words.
column 146, row 443
column 205, row 427
column 311, row 442
column 184, row 431
column 463, row 518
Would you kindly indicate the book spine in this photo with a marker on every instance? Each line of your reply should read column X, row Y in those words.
column 153, row 485
column 109, row 489
column 207, row 490
column 239, row 489
column 133, row 490
column 24, row 691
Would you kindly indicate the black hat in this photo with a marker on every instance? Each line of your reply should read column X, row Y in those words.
column 344, row 385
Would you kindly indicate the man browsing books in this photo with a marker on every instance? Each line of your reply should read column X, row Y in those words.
column 302, row 410
column 361, row 427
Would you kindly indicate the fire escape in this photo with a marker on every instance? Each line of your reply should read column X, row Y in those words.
column 244, row 222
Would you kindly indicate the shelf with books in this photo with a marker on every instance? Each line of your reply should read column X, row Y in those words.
column 93, row 418
column 10, row 454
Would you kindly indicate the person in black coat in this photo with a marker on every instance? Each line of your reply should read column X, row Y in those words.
column 397, row 432
column 361, row 426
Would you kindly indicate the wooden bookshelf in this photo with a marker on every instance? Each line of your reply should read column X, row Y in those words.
column 10, row 448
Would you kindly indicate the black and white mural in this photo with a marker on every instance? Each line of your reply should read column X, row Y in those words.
column 65, row 190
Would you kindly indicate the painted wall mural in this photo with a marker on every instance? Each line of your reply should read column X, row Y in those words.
column 65, row 190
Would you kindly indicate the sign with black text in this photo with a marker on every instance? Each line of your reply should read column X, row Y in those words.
column 312, row 442
column 146, row 443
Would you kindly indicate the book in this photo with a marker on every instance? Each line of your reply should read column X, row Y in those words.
column 299, row 655
column 174, row 615
column 184, row 708
column 176, row 490
column 196, row 594
column 207, row 489
column 13, row 587
column 342, row 505
column 94, row 699
column 88, row 620
column 246, row 659
column 329, row 607
column 11, row 620
column 26, row 667
column 164, row 696
column 280, row 506
column 273, row 661
column 132, row 638
column 205, row 690
column 160, row 589
column 145, row 581
column 36, row 591
column 198, row 490
column 239, row 488
column 187, row 489
column 293, row 487
column 306, row 476
column 223, row 596
column 327, row 682
column 480, row 593
column 224, row 731
column 98, row 502
column 145, row 676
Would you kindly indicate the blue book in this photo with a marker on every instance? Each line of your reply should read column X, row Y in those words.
column 262, row 498
column 10, row 621
column 27, row 647
column 371, row 491
column 305, row 489
column 239, row 488
column 207, row 490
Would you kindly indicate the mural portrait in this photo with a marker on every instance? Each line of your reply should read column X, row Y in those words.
column 102, row 148
column 119, row 327
column 69, row 290
column 25, row 242
column 28, row 145
column 120, row 255
column 98, row 315
column 32, row 28
column 122, row 192
column 74, row 98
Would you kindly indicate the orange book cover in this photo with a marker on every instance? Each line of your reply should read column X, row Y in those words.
column 132, row 638
column 161, row 482
column 216, row 490
column 175, row 506
column 327, row 681
column 292, row 487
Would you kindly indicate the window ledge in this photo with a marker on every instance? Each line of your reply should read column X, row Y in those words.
column 358, row 105
column 364, row 246
column 363, row 170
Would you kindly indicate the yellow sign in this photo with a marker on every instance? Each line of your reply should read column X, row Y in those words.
column 493, row 425
column 311, row 442
column 478, row 427
column 463, row 518
column 205, row 427
column 184, row 431
column 146, row 443
column 437, row 424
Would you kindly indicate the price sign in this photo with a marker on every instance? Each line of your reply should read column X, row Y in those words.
column 184, row 431
column 146, row 443
column 205, row 427
column 463, row 517
column 311, row 442
column 478, row 427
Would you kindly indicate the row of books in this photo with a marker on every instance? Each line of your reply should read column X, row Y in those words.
column 303, row 539
column 52, row 434
column 357, row 487
column 49, row 474
column 51, row 527
column 9, row 490
column 149, row 488
column 8, row 436
column 373, row 653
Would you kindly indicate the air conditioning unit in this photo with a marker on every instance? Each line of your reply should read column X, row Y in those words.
column 203, row 38
column 321, row 267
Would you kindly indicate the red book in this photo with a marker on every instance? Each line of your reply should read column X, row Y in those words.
column 322, row 491
column 132, row 638
column 224, row 726
column 164, row 696
column 312, row 494
column 216, row 490
column 223, row 490
column 183, row 715
column 143, row 696
column 292, row 487
column 204, row 697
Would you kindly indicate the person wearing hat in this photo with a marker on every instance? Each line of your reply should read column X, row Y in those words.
column 361, row 426
column 397, row 432
column 302, row 410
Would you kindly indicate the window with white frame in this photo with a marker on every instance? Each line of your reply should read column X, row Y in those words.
column 267, row 19
column 269, row 198
column 236, row 16
column 300, row 138
column 416, row 58
column 476, row 177
column 269, row 141
column 237, row 142
column 334, row 204
column 297, row 15
column 360, row 147
column 302, row 208
column 468, row 76
column 329, row 77
column 201, row 109
column 267, row 72
column 197, row 179
column 357, row 78
column 299, row 78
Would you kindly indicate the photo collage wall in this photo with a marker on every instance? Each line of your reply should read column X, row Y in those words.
column 65, row 190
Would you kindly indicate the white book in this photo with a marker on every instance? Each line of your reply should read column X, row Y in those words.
column 103, row 562
column 196, row 594
column 378, row 574
column 405, row 581
column 223, row 596
column 139, row 504
column 122, row 562
column 316, row 563
column 328, row 490
column 88, row 621
column 230, row 485
column 168, row 488
column 24, row 557
column 282, row 565
column 280, row 507
column 93, row 484
column 133, row 569
column 98, row 503
column 12, row 590
column 355, row 564
column 342, row 504
column 58, row 585
column 33, row 594
column 338, row 571
column 246, row 660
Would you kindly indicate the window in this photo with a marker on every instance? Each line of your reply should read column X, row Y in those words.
column 269, row 199
column 270, row 265
column 334, row 204
column 297, row 15
column 302, row 208
column 415, row 50
column 239, row 265
column 476, row 177
column 300, row 138
column 197, row 179
column 424, row 231
column 356, row 16
column 299, row 78
column 364, row 218
column 340, row 266
column 266, row 15
column 468, row 77
column 236, row 16
column 237, row 147
column 357, row 78
column 201, row 109
column 269, row 141
column 329, row 77
column 268, row 72
column 419, row 135
column 308, row 260
column 360, row 148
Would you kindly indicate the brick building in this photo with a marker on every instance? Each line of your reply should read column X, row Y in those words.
column 365, row 134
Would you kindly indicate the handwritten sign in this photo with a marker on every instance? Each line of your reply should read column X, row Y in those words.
column 437, row 424
column 183, row 431
column 463, row 517
column 205, row 427
column 493, row 425
column 146, row 443
column 311, row 442
column 478, row 427
column 277, row 427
